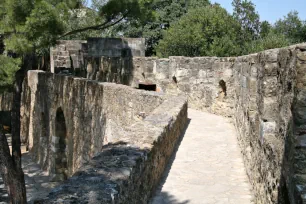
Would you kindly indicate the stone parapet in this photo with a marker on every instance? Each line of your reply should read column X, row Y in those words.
column 129, row 170
column 264, row 93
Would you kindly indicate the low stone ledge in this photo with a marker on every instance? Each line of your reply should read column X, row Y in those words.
column 128, row 171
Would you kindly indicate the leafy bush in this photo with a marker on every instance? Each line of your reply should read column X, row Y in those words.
column 206, row 31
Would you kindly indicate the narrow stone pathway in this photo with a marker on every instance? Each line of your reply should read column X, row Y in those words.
column 208, row 166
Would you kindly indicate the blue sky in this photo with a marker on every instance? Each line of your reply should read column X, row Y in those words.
column 272, row 10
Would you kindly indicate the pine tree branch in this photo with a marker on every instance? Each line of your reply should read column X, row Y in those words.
column 95, row 27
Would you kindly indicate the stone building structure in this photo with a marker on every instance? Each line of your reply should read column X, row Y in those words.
column 263, row 93
column 116, row 138
column 113, row 132
column 77, row 56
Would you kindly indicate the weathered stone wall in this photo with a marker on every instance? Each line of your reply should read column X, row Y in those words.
column 270, row 120
column 75, row 55
column 296, row 145
column 263, row 99
column 94, row 113
column 263, row 93
column 197, row 78
column 68, row 54
column 129, row 171
column 116, row 47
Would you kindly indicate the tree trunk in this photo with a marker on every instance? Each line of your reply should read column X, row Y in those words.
column 10, row 166
column 13, row 180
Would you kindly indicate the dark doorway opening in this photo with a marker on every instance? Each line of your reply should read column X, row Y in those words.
column 147, row 86
column 61, row 165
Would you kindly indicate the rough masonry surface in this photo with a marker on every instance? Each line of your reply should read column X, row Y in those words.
column 86, row 131
column 264, row 93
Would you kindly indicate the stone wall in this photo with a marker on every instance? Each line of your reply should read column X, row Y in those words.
column 74, row 55
column 129, row 171
column 270, row 116
column 295, row 170
column 207, row 81
column 68, row 54
column 91, row 114
column 264, row 93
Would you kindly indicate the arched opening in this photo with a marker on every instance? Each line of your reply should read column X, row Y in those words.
column 222, row 85
column 60, row 144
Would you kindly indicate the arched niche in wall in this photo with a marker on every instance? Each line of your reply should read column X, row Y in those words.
column 223, row 88
column 60, row 148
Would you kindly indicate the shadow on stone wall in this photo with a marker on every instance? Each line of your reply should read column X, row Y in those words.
column 115, row 175
column 5, row 120
column 167, row 198
column 284, row 187
column 113, row 65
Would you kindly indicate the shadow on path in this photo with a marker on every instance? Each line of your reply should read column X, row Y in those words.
column 160, row 197
column 37, row 181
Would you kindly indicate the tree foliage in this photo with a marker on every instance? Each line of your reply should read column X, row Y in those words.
column 292, row 27
column 166, row 12
column 8, row 67
column 207, row 31
column 248, row 19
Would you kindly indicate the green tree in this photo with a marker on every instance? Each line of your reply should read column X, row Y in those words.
column 8, row 67
column 274, row 40
column 166, row 13
column 270, row 41
column 292, row 27
column 206, row 31
column 265, row 29
column 245, row 13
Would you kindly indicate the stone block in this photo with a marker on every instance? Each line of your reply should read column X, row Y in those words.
column 270, row 55
column 162, row 69
column 181, row 74
column 55, row 140
column 301, row 55
column 252, row 85
column 270, row 69
column 270, row 109
column 270, row 86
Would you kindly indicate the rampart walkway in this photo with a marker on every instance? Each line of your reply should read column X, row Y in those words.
column 207, row 167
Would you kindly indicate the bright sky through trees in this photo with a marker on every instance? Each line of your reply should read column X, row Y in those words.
column 271, row 10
